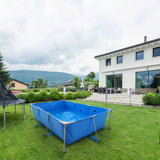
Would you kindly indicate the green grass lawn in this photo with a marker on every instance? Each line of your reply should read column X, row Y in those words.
column 134, row 134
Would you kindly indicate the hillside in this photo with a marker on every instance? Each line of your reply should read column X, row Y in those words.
column 54, row 78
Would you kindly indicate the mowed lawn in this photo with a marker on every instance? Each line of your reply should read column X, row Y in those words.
column 134, row 134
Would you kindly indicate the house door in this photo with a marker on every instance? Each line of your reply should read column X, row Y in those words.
column 114, row 81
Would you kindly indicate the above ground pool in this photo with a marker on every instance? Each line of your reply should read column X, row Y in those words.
column 70, row 121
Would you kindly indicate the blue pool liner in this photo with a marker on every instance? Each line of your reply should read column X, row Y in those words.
column 78, row 119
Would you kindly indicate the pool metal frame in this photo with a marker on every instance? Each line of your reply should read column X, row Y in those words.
column 67, row 123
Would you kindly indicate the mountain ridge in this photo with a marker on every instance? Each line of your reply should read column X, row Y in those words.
column 54, row 78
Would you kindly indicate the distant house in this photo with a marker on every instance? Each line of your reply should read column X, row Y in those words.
column 15, row 84
column 69, row 83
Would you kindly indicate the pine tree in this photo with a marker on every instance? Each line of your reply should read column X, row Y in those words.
column 4, row 74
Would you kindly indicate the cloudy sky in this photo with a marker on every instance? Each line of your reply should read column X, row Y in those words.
column 65, row 35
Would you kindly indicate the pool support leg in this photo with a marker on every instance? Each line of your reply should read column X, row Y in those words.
column 64, row 138
column 93, row 138
column 37, row 119
column 47, row 123
column 48, row 134
column 64, row 135
column 110, row 118
column 30, row 111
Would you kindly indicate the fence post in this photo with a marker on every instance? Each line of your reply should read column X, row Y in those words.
column 130, row 95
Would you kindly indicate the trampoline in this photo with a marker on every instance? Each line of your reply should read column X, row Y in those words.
column 70, row 121
column 8, row 98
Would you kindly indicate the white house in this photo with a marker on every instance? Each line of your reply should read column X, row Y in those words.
column 136, row 66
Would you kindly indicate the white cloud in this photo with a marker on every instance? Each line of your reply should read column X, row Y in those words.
column 60, row 35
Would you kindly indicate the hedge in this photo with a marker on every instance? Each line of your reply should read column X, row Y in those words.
column 30, row 97
column 152, row 99
column 53, row 95
column 82, row 94
column 42, row 95
column 70, row 95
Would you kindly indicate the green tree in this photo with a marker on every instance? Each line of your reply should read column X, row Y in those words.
column 42, row 83
column 91, row 75
column 96, row 83
column 39, row 83
column 86, row 82
column 46, row 85
column 4, row 75
column 34, row 84
column 76, row 82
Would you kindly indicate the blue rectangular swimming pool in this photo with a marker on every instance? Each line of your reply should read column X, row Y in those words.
column 70, row 121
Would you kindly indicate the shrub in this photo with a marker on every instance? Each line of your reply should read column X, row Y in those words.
column 47, row 89
column 82, row 94
column 60, row 88
column 36, row 98
column 158, row 89
column 87, row 93
column 24, row 90
column 61, row 95
column 70, row 95
column 21, row 96
column 79, row 95
column 55, row 95
column 157, row 99
column 49, row 97
column 30, row 97
column 35, row 90
column 77, row 92
column 151, row 99
column 42, row 95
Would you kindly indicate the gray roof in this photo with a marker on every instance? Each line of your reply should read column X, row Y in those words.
column 19, row 82
column 69, row 83
column 119, row 50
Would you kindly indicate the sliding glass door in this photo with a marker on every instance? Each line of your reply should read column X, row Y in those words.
column 114, row 81
column 118, row 81
column 110, row 81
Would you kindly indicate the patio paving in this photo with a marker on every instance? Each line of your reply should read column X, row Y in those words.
column 124, row 99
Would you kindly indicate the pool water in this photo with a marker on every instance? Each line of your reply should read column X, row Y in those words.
column 69, row 116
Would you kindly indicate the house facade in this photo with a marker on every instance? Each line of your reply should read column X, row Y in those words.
column 135, row 67
column 15, row 84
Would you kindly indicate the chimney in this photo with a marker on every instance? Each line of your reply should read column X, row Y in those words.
column 145, row 39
